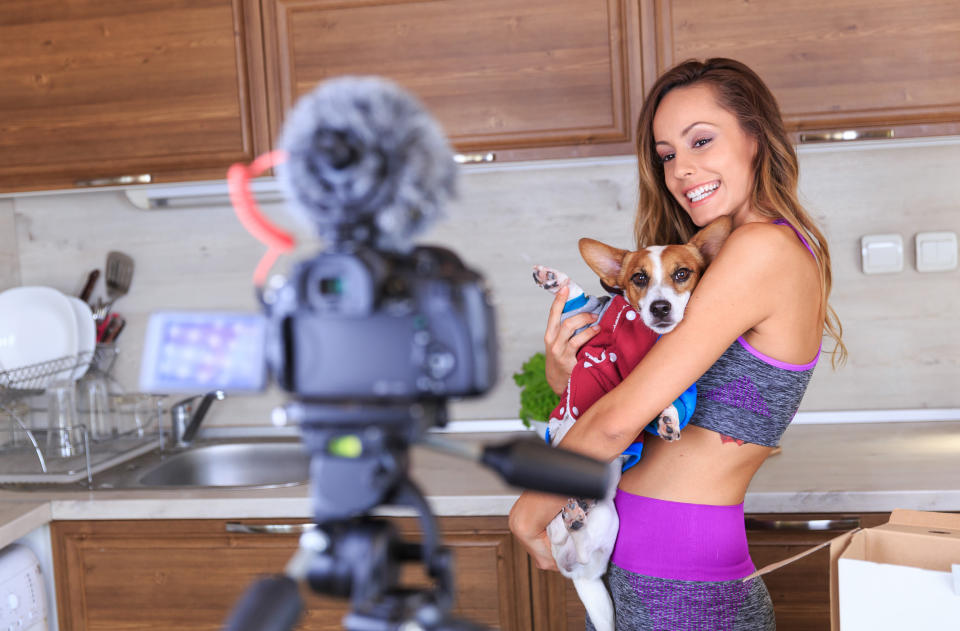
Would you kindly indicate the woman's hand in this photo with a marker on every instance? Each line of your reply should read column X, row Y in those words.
column 561, row 345
column 523, row 518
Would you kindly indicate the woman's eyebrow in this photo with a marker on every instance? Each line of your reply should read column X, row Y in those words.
column 685, row 131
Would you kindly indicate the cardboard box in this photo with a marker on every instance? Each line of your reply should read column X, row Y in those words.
column 904, row 574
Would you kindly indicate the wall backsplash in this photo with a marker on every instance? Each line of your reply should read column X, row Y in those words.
column 902, row 330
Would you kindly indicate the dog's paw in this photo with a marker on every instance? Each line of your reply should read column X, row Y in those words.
column 575, row 513
column 668, row 425
column 549, row 278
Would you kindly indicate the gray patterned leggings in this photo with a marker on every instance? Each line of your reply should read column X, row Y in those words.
column 644, row 603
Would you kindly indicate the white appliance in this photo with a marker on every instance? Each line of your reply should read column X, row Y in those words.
column 23, row 598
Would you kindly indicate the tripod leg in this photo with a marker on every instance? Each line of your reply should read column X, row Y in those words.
column 270, row 604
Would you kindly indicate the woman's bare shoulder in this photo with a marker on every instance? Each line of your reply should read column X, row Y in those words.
column 764, row 238
column 764, row 250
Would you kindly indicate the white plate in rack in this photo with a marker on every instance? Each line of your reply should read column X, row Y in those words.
column 37, row 324
column 86, row 335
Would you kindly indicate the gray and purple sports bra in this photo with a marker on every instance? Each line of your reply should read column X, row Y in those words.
column 749, row 396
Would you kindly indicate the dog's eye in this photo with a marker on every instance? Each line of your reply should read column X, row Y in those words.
column 681, row 275
column 639, row 279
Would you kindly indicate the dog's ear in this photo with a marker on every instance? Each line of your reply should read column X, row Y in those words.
column 603, row 259
column 712, row 236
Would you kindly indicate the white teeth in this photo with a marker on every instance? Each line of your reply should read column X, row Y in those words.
column 702, row 191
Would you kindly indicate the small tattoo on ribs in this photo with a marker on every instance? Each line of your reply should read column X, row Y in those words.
column 730, row 439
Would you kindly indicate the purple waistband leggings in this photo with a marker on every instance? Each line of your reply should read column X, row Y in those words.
column 678, row 567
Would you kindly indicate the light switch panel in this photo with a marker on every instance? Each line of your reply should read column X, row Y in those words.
column 936, row 251
column 881, row 253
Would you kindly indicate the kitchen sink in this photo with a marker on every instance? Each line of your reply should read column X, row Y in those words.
column 231, row 464
column 241, row 463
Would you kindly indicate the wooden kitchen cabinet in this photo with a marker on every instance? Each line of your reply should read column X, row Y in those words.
column 91, row 90
column 833, row 65
column 525, row 80
column 188, row 574
column 800, row 591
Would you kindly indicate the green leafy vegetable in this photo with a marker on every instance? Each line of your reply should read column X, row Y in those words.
column 537, row 399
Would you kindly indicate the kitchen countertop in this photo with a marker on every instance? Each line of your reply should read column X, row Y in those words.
column 825, row 468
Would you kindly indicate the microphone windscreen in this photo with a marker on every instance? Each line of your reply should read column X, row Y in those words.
column 364, row 152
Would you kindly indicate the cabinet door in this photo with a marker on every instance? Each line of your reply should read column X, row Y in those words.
column 490, row 567
column 532, row 79
column 189, row 574
column 91, row 91
column 556, row 606
column 832, row 64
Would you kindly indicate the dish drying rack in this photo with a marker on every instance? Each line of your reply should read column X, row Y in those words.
column 25, row 454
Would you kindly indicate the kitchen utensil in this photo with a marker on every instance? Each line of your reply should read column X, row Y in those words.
column 104, row 325
column 37, row 324
column 86, row 335
column 114, row 329
column 119, row 274
column 89, row 285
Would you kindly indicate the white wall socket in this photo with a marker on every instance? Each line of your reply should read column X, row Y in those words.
column 936, row 251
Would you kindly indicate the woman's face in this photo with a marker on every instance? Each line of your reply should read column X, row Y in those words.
column 707, row 157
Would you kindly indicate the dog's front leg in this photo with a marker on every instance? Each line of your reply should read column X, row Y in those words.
column 668, row 424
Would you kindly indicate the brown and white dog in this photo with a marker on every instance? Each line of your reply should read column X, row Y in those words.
column 658, row 280
column 656, row 283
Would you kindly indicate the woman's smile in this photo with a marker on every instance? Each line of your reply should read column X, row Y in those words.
column 700, row 193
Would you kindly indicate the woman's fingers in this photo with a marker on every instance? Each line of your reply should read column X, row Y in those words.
column 542, row 555
column 582, row 338
column 571, row 324
column 553, row 318
column 561, row 349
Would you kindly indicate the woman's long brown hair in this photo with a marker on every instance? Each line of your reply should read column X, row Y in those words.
column 660, row 218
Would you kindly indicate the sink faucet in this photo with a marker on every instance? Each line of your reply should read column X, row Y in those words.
column 186, row 422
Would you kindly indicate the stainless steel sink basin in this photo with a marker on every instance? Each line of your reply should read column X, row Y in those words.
column 231, row 464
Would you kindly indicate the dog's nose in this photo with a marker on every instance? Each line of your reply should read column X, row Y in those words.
column 660, row 308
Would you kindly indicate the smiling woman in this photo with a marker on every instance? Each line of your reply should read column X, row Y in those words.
column 711, row 144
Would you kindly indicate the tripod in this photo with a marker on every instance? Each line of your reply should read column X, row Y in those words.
column 359, row 460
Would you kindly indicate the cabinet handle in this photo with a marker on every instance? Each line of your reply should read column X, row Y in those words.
column 803, row 524
column 118, row 180
column 474, row 158
column 849, row 134
column 268, row 529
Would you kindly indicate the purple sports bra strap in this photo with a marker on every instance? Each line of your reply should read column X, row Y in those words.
column 784, row 222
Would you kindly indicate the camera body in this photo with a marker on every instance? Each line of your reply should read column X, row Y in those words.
column 367, row 325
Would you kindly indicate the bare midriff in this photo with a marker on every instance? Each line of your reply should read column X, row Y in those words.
column 700, row 468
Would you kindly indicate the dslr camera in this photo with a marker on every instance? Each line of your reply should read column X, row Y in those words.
column 368, row 325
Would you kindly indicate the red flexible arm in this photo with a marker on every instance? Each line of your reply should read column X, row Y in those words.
column 249, row 214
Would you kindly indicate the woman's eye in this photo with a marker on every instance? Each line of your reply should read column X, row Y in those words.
column 681, row 275
column 701, row 142
column 666, row 158
column 639, row 279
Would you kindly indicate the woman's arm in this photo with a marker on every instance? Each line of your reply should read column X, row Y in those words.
column 739, row 290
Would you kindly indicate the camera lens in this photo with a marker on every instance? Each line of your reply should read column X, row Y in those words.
column 331, row 286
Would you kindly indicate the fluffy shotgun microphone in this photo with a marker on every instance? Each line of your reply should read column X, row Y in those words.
column 365, row 163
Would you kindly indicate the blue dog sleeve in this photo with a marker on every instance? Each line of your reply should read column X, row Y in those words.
column 685, row 405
